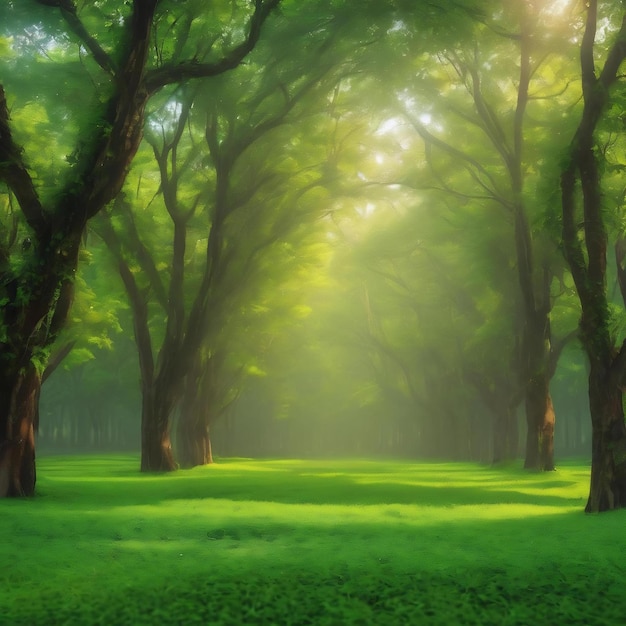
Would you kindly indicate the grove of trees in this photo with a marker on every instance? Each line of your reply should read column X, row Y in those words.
column 272, row 227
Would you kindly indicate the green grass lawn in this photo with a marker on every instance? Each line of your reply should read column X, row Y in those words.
column 308, row 542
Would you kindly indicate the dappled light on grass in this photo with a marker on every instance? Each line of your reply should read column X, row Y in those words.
column 319, row 525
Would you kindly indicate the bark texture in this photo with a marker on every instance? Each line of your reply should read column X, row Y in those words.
column 18, row 417
column 156, row 446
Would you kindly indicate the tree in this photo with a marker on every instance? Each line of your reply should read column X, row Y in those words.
column 227, row 206
column 133, row 52
column 585, row 244
column 481, row 132
column 82, row 396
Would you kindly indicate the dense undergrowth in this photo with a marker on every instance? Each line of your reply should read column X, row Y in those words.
column 308, row 542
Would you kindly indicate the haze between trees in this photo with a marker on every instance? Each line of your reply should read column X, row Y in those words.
column 303, row 234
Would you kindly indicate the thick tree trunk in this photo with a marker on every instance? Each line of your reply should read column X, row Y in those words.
column 193, row 441
column 587, row 259
column 608, row 455
column 31, row 328
column 19, row 397
column 156, row 446
column 540, row 419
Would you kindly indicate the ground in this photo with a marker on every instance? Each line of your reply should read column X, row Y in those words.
column 308, row 542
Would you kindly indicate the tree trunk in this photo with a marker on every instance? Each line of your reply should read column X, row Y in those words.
column 156, row 446
column 192, row 434
column 539, row 366
column 18, row 418
column 587, row 258
column 193, row 441
column 608, row 454
column 540, row 419
column 31, row 327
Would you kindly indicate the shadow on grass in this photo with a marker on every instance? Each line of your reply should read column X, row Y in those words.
column 116, row 480
column 308, row 542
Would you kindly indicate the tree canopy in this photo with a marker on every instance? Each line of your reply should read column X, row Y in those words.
column 359, row 232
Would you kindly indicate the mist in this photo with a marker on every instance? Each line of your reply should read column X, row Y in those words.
column 313, row 256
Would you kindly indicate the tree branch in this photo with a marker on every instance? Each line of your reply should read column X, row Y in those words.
column 556, row 350
column 492, row 126
column 70, row 15
column 14, row 173
column 175, row 73
column 56, row 359
column 587, row 64
column 476, row 170
column 587, row 273
column 140, row 253
column 137, row 301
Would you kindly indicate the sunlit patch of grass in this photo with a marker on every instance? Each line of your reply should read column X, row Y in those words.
column 291, row 541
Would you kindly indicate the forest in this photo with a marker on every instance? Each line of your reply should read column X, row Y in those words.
column 278, row 228
column 312, row 311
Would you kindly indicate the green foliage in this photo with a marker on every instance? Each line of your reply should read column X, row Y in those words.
column 360, row 278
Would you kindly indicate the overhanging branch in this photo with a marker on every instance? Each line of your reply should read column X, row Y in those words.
column 68, row 11
column 176, row 73
column 14, row 173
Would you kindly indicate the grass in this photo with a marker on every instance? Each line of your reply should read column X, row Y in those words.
column 308, row 542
